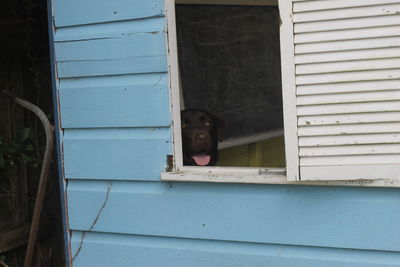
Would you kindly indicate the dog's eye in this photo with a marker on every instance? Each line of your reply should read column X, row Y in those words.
column 207, row 123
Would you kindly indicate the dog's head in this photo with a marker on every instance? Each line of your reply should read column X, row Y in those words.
column 200, row 137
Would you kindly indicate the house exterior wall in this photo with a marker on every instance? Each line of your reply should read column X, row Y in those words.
column 112, row 84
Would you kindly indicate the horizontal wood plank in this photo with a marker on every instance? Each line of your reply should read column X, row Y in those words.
column 355, row 139
column 229, row 2
column 348, row 45
column 324, row 57
column 111, row 54
column 388, row 106
column 116, row 153
column 66, row 13
column 349, row 172
column 354, row 76
column 306, row 6
column 116, row 29
column 348, row 118
column 223, row 211
column 136, row 65
column 360, row 160
column 389, row 127
column 136, row 45
column 357, row 86
column 366, row 11
column 342, row 24
column 344, row 66
column 347, row 34
column 355, row 97
column 134, row 101
column 146, row 251
column 350, row 150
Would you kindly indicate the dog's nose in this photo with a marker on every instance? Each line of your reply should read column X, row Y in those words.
column 201, row 138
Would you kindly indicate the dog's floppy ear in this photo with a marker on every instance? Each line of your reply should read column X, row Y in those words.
column 220, row 123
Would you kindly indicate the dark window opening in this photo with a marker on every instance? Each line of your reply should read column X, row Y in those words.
column 229, row 63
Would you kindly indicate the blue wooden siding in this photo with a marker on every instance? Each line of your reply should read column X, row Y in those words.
column 133, row 250
column 78, row 12
column 116, row 153
column 297, row 215
column 114, row 103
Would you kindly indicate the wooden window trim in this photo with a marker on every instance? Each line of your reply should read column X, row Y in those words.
column 236, row 174
column 229, row 2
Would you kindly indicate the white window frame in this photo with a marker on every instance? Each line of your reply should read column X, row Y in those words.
column 252, row 175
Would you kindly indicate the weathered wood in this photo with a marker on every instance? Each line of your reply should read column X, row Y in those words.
column 357, row 149
column 14, row 238
column 375, row 53
column 344, row 45
column 355, row 97
column 128, row 101
column 116, row 153
column 333, row 119
column 347, row 13
column 352, row 34
column 345, row 108
column 376, row 138
column 357, row 23
column 340, row 77
column 358, row 162
column 352, row 172
column 76, row 12
column 359, row 65
column 345, row 129
column 150, row 251
column 289, row 89
column 214, row 211
column 128, row 54
column 17, row 236
column 346, row 87
column 306, row 6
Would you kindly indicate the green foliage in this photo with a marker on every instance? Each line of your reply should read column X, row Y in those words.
column 14, row 151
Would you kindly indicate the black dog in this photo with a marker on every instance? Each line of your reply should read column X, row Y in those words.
column 200, row 137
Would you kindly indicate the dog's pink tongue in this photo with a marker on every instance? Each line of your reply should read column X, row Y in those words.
column 201, row 160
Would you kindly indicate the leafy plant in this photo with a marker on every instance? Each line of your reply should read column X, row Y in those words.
column 14, row 151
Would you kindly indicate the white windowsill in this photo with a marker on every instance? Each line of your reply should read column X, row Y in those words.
column 258, row 176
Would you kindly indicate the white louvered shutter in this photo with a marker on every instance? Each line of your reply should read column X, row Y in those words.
column 341, row 88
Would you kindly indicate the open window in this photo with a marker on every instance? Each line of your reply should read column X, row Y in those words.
column 340, row 88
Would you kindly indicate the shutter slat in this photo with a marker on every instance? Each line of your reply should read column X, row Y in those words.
column 348, row 98
column 352, row 172
column 350, row 150
column 342, row 24
column 390, row 9
column 359, row 65
column 349, row 139
column 347, row 108
column 347, row 45
column 348, row 87
column 390, row 127
column 348, row 34
column 350, row 160
column 373, row 43
column 335, row 4
column 348, row 77
column 378, row 53
column 348, row 118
